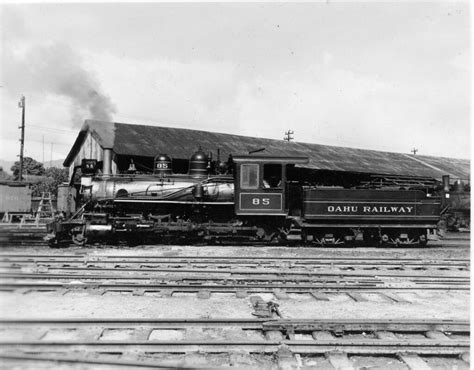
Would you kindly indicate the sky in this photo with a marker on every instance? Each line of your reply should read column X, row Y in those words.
column 382, row 76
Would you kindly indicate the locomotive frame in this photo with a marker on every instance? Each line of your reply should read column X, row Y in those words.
column 254, row 198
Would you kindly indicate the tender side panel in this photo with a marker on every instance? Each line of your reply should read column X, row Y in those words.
column 369, row 205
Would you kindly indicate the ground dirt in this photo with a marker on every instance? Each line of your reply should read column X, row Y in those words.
column 79, row 303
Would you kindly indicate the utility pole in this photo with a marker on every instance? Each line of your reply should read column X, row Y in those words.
column 414, row 151
column 51, row 158
column 21, row 104
column 43, row 149
column 288, row 136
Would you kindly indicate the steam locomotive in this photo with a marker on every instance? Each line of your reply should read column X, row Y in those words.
column 250, row 198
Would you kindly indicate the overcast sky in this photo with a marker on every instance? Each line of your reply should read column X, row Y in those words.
column 384, row 76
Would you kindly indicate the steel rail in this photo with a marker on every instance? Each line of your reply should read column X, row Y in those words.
column 92, row 361
column 206, row 277
column 338, row 325
column 231, row 276
column 375, row 346
column 276, row 270
column 228, row 279
column 225, row 287
column 229, row 265
column 435, row 342
column 34, row 237
column 250, row 258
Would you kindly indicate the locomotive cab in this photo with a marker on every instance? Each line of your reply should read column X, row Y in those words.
column 260, row 184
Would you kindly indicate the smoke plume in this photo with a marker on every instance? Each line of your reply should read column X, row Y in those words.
column 57, row 69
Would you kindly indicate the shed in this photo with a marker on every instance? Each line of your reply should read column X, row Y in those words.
column 115, row 144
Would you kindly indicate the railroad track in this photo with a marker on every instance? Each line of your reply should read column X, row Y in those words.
column 188, row 273
column 34, row 239
column 221, row 262
column 289, row 339
column 322, row 292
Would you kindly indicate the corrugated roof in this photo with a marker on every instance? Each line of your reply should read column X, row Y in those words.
column 141, row 140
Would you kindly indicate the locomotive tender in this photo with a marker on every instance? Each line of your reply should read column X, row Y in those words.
column 251, row 198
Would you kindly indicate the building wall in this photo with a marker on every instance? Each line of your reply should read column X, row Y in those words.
column 90, row 149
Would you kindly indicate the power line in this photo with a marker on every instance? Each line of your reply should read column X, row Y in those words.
column 51, row 128
column 39, row 141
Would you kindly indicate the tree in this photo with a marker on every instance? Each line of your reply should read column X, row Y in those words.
column 30, row 167
column 54, row 177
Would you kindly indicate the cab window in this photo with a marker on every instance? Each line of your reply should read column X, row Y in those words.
column 272, row 176
column 249, row 176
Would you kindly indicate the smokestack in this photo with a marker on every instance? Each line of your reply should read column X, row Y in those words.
column 446, row 183
column 107, row 162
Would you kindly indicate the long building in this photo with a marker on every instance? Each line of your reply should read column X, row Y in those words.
column 116, row 144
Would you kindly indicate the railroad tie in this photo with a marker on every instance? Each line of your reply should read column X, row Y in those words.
column 466, row 357
column 395, row 297
column 91, row 334
column 138, row 292
column 239, row 358
column 322, row 335
column 385, row 335
column 436, row 335
column 357, row 297
column 286, row 360
column 195, row 358
column 142, row 334
column 274, row 335
column 339, row 360
column 166, row 293
column 241, row 294
column 204, row 294
column 280, row 294
column 96, row 291
column 413, row 361
column 320, row 296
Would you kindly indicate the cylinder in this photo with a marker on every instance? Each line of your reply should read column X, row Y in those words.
column 198, row 164
column 163, row 165
column 107, row 162
column 446, row 183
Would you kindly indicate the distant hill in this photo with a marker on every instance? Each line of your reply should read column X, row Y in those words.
column 56, row 163
column 8, row 164
column 4, row 176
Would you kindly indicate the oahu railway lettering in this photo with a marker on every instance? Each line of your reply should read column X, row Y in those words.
column 370, row 209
